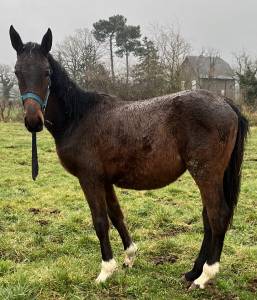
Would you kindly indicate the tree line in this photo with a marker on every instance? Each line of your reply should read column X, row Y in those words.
column 114, row 57
column 152, row 65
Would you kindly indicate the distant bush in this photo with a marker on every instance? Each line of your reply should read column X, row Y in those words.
column 250, row 114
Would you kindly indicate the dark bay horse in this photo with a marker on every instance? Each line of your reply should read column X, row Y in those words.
column 148, row 144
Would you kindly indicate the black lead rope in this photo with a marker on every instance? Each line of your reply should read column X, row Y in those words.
column 34, row 156
column 35, row 97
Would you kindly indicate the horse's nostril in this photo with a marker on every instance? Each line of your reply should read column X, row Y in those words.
column 33, row 125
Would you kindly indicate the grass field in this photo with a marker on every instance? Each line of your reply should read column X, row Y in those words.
column 48, row 248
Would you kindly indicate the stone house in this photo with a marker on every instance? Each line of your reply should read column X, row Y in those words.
column 210, row 73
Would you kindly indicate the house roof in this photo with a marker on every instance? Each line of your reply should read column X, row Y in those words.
column 202, row 66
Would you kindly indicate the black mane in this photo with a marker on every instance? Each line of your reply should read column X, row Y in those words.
column 76, row 100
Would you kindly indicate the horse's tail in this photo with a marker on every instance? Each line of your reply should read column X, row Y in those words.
column 232, row 176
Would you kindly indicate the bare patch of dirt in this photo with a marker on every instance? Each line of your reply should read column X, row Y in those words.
column 175, row 231
column 55, row 211
column 216, row 294
column 51, row 211
column 57, row 239
column 43, row 222
column 34, row 210
column 213, row 292
column 160, row 260
column 191, row 221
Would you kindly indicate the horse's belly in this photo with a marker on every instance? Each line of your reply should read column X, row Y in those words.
column 151, row 174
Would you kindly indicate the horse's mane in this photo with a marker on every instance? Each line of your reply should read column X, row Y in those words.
column 76, row 100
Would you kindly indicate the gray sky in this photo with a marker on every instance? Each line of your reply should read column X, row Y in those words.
column 227, row 25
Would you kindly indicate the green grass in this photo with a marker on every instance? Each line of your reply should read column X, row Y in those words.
column 48, row 248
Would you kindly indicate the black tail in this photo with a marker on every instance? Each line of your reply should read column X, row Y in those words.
column 232, row 176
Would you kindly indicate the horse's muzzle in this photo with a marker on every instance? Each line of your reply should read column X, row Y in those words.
column 34, row 119
column 34, row 125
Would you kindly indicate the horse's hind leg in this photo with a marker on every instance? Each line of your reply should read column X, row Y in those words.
column 96, row 197
column 201, row 259
column 219, row 217
column 117, row 218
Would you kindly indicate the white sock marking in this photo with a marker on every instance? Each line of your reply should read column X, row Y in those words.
column 130, row 255
column 108, row 267
column 209, row 272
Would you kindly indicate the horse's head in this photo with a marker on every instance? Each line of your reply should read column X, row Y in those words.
column 33, row 73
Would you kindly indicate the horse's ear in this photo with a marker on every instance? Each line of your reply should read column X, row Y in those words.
column 46, row 43
column 16, row 40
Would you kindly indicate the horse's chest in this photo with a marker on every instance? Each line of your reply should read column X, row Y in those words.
column 68, row 158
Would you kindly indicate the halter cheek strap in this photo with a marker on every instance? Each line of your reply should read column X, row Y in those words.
column 35, row 97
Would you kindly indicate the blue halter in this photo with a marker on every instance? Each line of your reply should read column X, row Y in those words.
column 35, row 97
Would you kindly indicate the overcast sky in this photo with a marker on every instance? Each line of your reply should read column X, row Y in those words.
column 227, row 25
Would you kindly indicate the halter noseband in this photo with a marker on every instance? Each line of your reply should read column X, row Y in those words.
column 36, row 98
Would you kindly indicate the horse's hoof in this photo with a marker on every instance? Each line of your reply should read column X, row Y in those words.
column 130, row 255
column 185, row 279
column 195, row 286
column 185, row 282
column 125, row 266
column 108, row 268
column 128, row 262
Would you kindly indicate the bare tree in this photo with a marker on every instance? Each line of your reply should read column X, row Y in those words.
column 7, row 82
column 6, row 107
column 80, row 54
column 244, row 61
column 172, row 49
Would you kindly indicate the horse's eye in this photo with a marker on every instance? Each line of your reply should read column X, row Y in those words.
column 47, row 73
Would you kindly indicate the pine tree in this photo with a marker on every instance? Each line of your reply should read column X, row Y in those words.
column 127, row 41
column 107, row 30
column 148, row 74
column 248, row 84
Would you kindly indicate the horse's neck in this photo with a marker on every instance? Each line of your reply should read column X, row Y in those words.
column 55, row 120
column 67, row 103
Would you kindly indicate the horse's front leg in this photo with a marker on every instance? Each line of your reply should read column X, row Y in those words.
column 95, row 195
